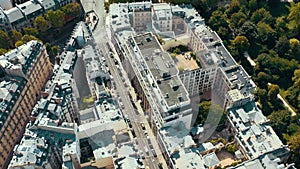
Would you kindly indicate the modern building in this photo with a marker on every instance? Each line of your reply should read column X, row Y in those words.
column 24, row 72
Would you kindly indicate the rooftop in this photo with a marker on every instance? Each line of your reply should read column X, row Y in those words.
column 47, row 4
column 162, row 68
column 267, row 161
column 30, row 7
column 255, row 134
column 14, row 14
column 31, row 150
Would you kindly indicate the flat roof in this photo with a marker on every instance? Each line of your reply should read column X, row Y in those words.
column 162, row 68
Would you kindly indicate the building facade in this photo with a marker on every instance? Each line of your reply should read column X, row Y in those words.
column 26, row 70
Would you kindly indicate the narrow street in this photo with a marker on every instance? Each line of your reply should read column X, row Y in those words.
column 146, row 145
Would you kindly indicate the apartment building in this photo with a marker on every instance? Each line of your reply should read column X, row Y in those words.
column 141, row 15
column 25, row 71
column 24, row 13
column 253, row 134
column 156, row 79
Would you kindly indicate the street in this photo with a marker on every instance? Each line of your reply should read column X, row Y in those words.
column 123, row 89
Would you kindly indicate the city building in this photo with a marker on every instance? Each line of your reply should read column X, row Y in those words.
column 165, row 99
column 162, row 18
column 23, row 12
column 6, row 4
column 253, row 134
column 20, row 68
column 268, row 161
column 141, row 15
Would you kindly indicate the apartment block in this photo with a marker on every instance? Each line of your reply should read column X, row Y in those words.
column 24, row 12
column 24, row 73
column 253, row 134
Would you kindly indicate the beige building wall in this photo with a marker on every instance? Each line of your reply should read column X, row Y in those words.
column 13, row 128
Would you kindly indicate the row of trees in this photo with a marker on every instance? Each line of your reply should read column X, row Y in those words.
column 52, row 19
column 58, row 18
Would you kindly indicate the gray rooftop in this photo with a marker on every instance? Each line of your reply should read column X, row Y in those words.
column 29, row 7
column 162, row 68
column 255, row 134
column 14, row 14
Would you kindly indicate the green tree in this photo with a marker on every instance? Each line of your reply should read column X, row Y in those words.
column 281, row 24
column 295, row 48
column 54, row 50
column 273, row 90
column 249, row 30
column 19, row 43
column 4, row 40
column 280, row 120
column 41, row 24
column 237, row 19
column 241, row 43
column 72, row 9
column 2, row 51
column 266, row 33
column 262, row 15
column 27, row 38
column 234, row 7
column 217, row 20
column 31, row 31
column 253, row 5
column 56, row 18
column 263, row 79
column 294, row 145
column 294, row 17
column 15, row 36
column 282, row 46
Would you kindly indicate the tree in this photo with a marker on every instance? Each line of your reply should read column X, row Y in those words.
column 273, row 92
column 4, row 40
column 41, row 24
column 16, row 36
column 27, row 38
column 294, row 145
column 72, row 10
column 249, row 30
column 54, row 50
column 31, row 31
column 237, row 19
column 48, row 47
column 262, row 15
column 2, row 51
column 294, row 17
column 241, row 43
column 281, row 24
column 263, row 79
column 56, row 18
column 295, row 48
column 253, row 5
column 280, row 120
column 282, row 46
column 234, row 7
column 217, row 20
column 266, row 33
column 19, row 43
